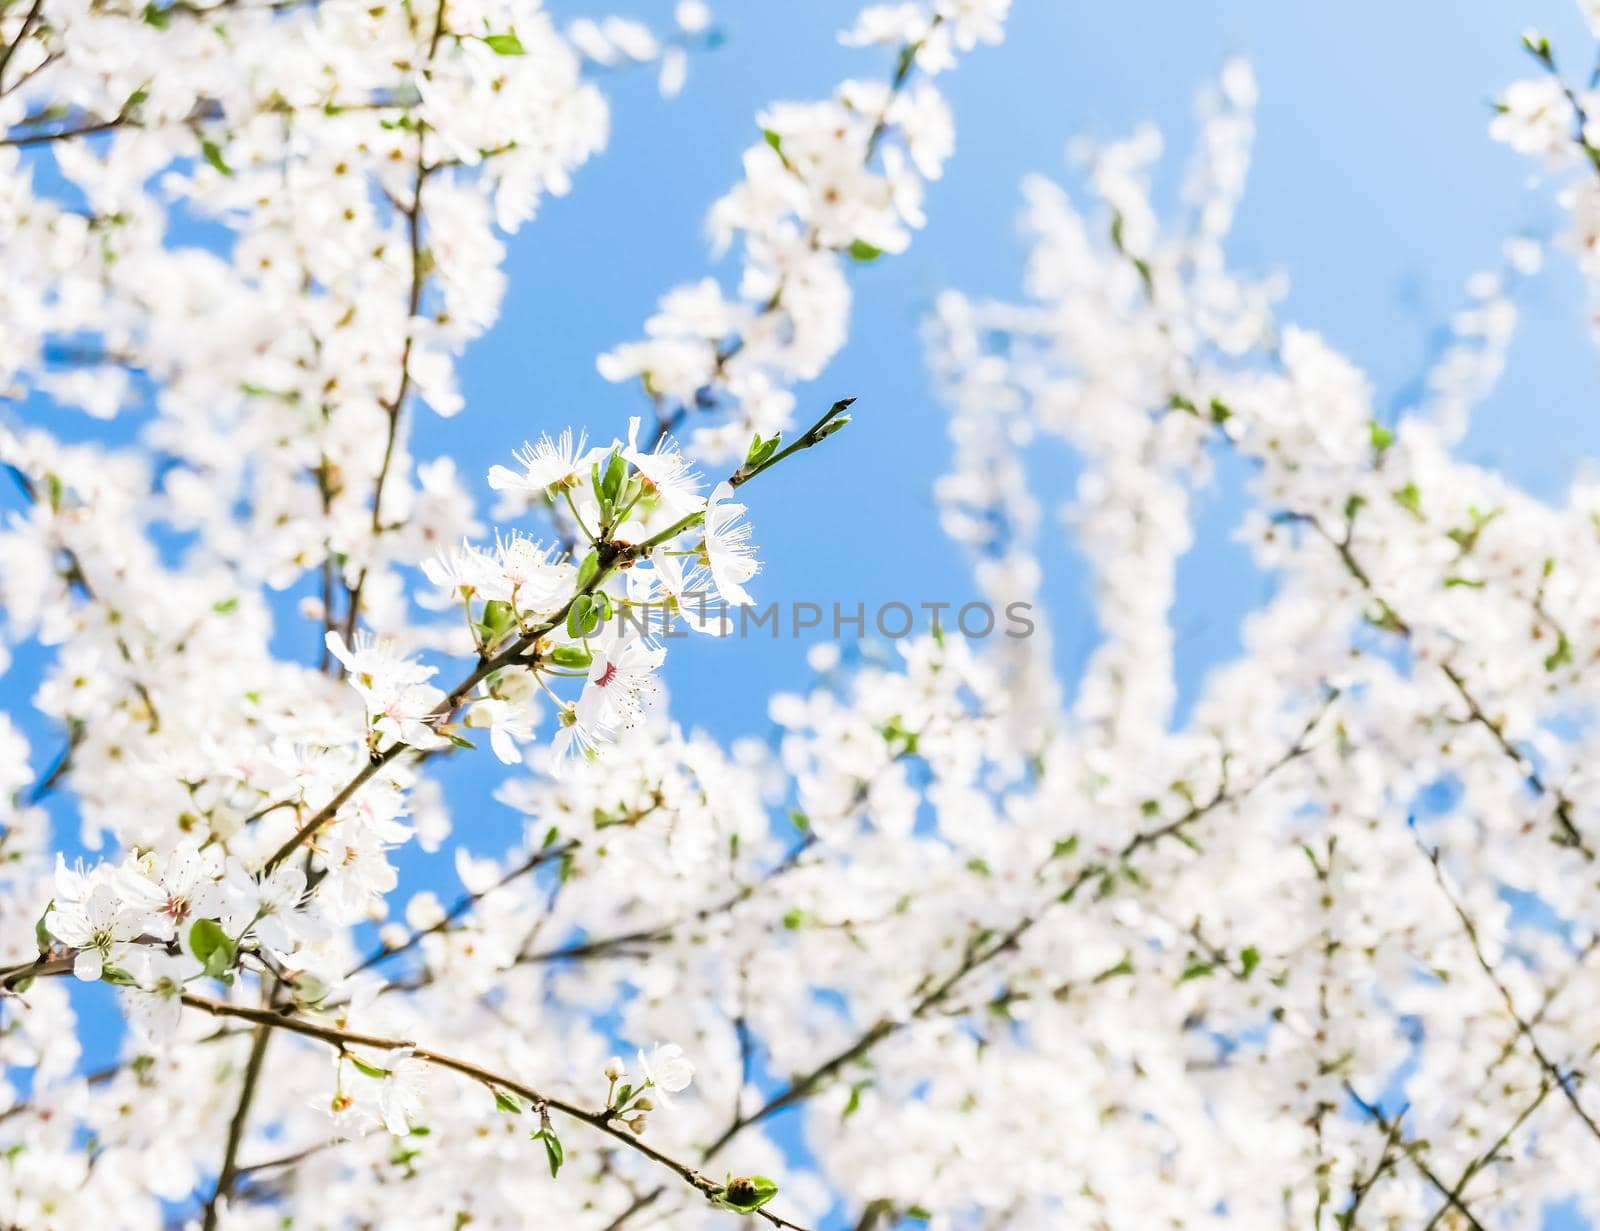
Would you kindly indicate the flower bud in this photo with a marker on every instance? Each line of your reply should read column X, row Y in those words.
column 309, row 989
column 516, row 687
column 225, row 822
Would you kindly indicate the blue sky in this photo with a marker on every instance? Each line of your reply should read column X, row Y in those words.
column 1375, row 189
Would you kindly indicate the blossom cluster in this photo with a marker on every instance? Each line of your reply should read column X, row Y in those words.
column 825, row 183
column 1002, row 944
column 1552, row 120
column 1317, row 950
column 260, row 235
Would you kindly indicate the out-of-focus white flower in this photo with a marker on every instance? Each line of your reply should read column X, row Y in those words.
column 667, row 1070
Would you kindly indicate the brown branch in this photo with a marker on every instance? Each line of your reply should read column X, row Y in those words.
column 1412, row 1152
column 236, row 1126
column 1570, row 835
column 22, row 34
column 395, row 406
column 604, row 1121
column 982, row 951
column 613, row 556
column 465, row 903
column 1563, row 1081
column 1453, row 1197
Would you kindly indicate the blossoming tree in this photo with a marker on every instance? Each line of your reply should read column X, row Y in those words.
column 1006, row 949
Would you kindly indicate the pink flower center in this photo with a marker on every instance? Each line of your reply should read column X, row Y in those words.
column 606, row 676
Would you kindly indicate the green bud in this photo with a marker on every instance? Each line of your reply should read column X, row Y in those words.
column 761, row 450
column 498, row 617
column 747, row 1194
column 570, row 656
column 41, row 931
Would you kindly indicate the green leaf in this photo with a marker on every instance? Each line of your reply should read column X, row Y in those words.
column 460, row 741
column 225, row 606
column 504, row 44
column 157, row 17
column 1561, row 655
column 1196, row 970
column 1249, row 959
column 212, row 947
column 1065, row 847
column 1124, row 967
column 774, row 140
column 553, row 1152
column 504, row 1100
column 582, row 617
column 1220, row 413
column 587, row 570
column 1409, row 498
column 212, row 153
column 611, row 483
column 1382, row 437
column 861, row 250
column 570, row 656
column 366, row 1067
column 794, row 919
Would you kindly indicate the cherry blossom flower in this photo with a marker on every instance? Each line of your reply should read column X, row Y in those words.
column 184, row 889
column 666, row 1070
column 729, row 550
column 404, row 1089
column 99, row 926
column 669, row 478
column 562, row 461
